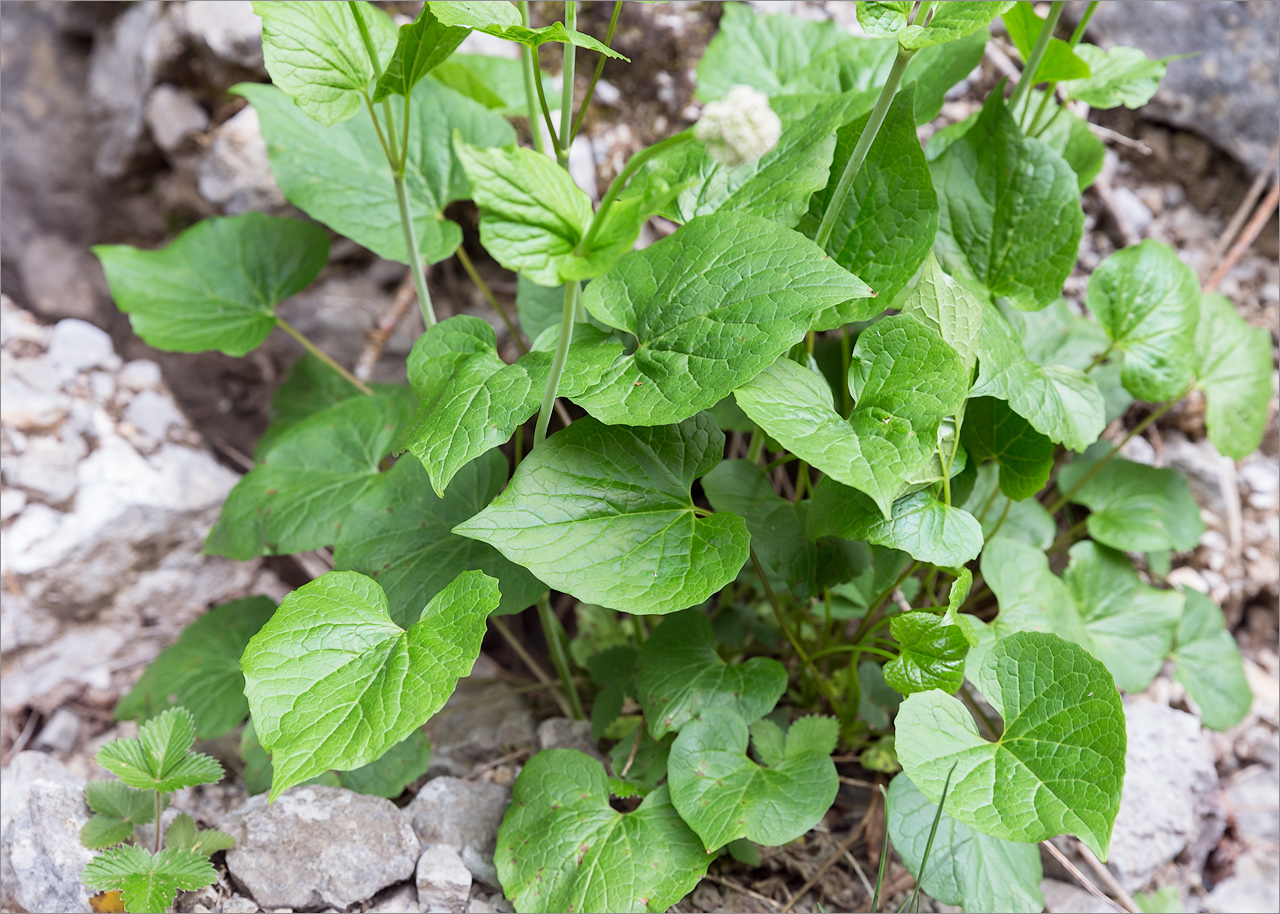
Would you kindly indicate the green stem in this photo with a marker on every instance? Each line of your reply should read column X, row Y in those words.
column 633, row 165
column 1004, row 515
column 377, row 126
column 823, row 684
column 157, row 841
column 1100, row 358
column 859, row 154
column 324, row 357
column 755, row 447
column 559, row 656
column 1028, row 77
column 567, row 311
column 869, row 622
column 591, row 89
column 542, row 101
column 483, row 286
column 637, row 626
column 527, row 66
column 1078, row 34
column 415, row 256
column 846, row 356
column 1036, row 129
column 566, row 85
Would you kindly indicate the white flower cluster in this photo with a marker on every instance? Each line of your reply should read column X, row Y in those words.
column 739, row 128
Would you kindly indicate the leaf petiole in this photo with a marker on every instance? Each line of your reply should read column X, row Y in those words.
column 322, row 356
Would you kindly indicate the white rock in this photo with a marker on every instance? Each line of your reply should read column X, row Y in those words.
column 22, row 407
column 1132, row 208
column 496, row 720
column 395, row 900
column 563, row 733
column 235, row 174
column 60, row 733
column 11, row 502
column 173, row 116
column 1186, row 576
column 41, row 849
column 229, row 27
column 153, row 414
column 102, row 386
column 444, row 882
column 464, row 816
column 140, row 374
column 47, row 467
column 17, row 324
column 77, row 346
column 1255, row 885
column 238, row 904
column 582, row 166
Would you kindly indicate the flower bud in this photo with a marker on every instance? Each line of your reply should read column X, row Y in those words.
column 739, row 128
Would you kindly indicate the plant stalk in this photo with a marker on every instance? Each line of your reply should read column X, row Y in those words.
column 157, row 841
column 465, row 260
column 559, row 656
column 415, row 256
column 566, row 86
column 324, row 357
column 616, row 186
column 567, row 311
column 530, row 98
column 859, row 154
column 591, row 89
column 1028, row 77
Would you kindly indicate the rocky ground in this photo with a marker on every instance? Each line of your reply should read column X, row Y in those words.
column 115, row 458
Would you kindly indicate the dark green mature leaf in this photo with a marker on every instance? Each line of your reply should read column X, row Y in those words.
column 401, row 534
column 314, row 52
column 605, row 513
column 1012, row 207
column 1060, row 61
column 1135, row 507
column 118, row 810
column 389, row 775
column 160, row 758
column 201, row 671
column 965, row 867
column 949, row 21
column 1118, row 76
column 340, row 176
column 1233, row 368
column 993, row 431
column 1208, row 664
column 948, row 308
column 538, row 306
column 931, row 654
column 919, row 524
column 886, row 225
column 1071, row 138
column 421, row 46
column 562, row 847
column 1027, row 520
column 217, row 285
column 183, row 834
column 372, row 685
column 1063, row 744
column 309, row 387
column 711, row 306
column 146, row 882
column 648, row 763
column 724, row 795
column 301, row 491
column 681, row 678
column 1148, row 301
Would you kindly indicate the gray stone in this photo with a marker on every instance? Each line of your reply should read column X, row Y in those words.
column 563, row 733
column 317, row 847
column 174, row 117
column 238, row 904
column 1255, row 886
column 235, row 174
column 1171, row 806
column 495, row 721
column 23, row 770
column 41, row 849
column 61, row 279
column 60, row 733
column 27, row 409
column 1253, row 796
column 230, row 29
column 77, row 346
column 395, row 900
column 1066, row 898
column 444, row 882
column 491, row 904
column 464, row 816
column 1136, row 213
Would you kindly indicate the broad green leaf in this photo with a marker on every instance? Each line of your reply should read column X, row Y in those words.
column 538, row 306
column 1012, row 207
column 333, row 682
column 711, row 306
column 1148, row 301
column 648, row 764
column 1060, row 402
column 955, row 603
column 605, row 513
column 1233, row 368
column 883, row 18
column 948, row 308
column 396, row 769
column 681, row 678
column 1031, row 598
column 217, row 284
column 495, row 82
column 993, row 431
column 562, row 847
column 1026, row 521
column 339, row 175
column 1208, row 665
column 931, row 653
column 201, row 671
column 160, row 758
column 520, row 34
column 301, row 491
column 1134, row 507
column 949, row 21
column 919, row 524
column 257, row 765
column 1060, row 61
column 469, row 14
column 886, row 225
column 724, row 795
column 183, row 834
column 965, row 867
column 1057, row 768
column 118, row 809
column 400, row 534
column 470, row 400
column 1166, row 900
column 314, row 53
column 146, row 882
column 1070, row 137
column 905, row 379
column 768, row 742
column 421, row 46
column 1130, row 626
column 1118, row 76
column 309, row 387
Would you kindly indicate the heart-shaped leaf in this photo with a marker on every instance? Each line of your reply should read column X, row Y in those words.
column 949, row 21
column 1233, row 368
column 1118, row 76
column 993, row 431
column 183, row 834
column 421, row 46
column 1134, row 507
column 919, row 524
column 1208, row 664
column 397, row 768
column 931, row 651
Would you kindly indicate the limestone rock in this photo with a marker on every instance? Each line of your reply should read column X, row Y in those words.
column 41, row 849
column 563, row 733
column 173, row 117
column 463, row 816
column 496, row 721
column 444, row 882
column 235, row 174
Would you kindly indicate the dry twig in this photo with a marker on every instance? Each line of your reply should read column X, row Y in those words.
column 1241, row 214
column 1251, row 231
column 375, row 338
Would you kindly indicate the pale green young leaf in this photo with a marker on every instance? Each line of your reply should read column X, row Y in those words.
column 1070, row 137
column 993, row 431
column 372, row 685
column 1060, row 60
column 681, row 678
column 724, row 795
column 146, row 882
column 931, row 652
column 300, row 492
column 768, row 742
column 886, row 225
column 160, row 757
column 883, row 18
column 1118, row 76
column 339, row 175
column 1165, row 900
column 1063, row 744
column 314, row 53
column 1135, row 507
column 605, row 513
column 469, row 14
column 1148, row 301
column 710, row 306
column 1233, row 368
column 1011, row 206
column 1026, row 521
column 919, row 524
column 217, row 284
column 1208, row 664
column 183, row 834
column 421, row 46
column 201, row 671
column 118, row 809
column 965, row 867
column 948, row 308
column 397, row 768
column 949, row 21
column 309, row 387
column 556, row 32
column 562, row 847
column 955, row 602
column 812, row 733
column 400, row 534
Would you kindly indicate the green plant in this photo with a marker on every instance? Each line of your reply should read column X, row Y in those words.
column 879, row 329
